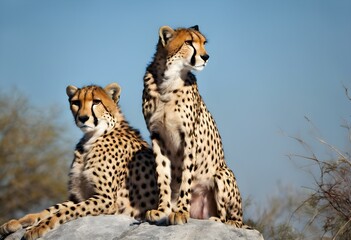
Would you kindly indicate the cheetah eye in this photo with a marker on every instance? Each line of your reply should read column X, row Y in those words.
column 188, row 42
column 96, row 101
column 75, row 103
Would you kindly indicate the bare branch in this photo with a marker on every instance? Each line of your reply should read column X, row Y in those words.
column 334, row 149
column 347, row 92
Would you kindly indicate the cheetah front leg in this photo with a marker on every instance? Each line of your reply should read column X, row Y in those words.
column 68, row 211
column 163, row 170
column 181, row 212
column 28, row 220
column 228, row 199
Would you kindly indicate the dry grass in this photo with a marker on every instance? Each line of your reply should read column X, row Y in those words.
column 321, row 211
column 329, row 204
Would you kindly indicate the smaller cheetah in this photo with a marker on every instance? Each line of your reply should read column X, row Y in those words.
column 112, row 172
column 193, row 177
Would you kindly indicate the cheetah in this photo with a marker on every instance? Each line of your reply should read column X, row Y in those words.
column 193, row 178
column 113, row 171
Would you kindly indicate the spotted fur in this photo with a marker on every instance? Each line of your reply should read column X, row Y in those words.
column 112, row 172
column 193, row 178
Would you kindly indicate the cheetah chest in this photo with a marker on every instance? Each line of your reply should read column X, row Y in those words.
column 166, row 123
column 172, row 119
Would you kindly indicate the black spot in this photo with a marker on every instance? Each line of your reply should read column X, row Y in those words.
column 182, row 194
column 191, row 167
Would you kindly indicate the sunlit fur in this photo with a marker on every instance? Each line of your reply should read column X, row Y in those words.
column 193, row 178
column 113, row 170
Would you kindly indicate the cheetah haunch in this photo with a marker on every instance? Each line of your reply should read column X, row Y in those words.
column 193, row 178
column 112, row 172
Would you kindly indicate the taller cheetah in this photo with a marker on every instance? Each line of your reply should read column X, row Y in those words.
column 113, row 171
column 193, row 178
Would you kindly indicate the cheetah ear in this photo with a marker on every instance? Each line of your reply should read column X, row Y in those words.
column 166, row 33
column 114, row 91
column 196, row 27
column 71, row 90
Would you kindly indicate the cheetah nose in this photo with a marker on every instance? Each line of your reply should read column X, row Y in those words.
column 83, row 118
column 205, row 57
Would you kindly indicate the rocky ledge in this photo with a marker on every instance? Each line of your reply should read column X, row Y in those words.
column 126, row 228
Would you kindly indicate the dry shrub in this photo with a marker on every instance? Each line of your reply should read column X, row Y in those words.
column 329, row 204
column 322, row 211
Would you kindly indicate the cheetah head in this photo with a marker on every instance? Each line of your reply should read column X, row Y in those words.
column 183, row 47
column 94, row 108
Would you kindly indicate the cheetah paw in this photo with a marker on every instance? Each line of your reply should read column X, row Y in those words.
column 234, row 223
column 35, row 232
column 238, row 224
column 10, row 227
column 155, row 216
column 178, row 218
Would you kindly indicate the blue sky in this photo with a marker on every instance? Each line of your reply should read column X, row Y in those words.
column 271, row 64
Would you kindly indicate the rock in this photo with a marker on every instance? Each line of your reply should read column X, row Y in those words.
column 126, row 228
